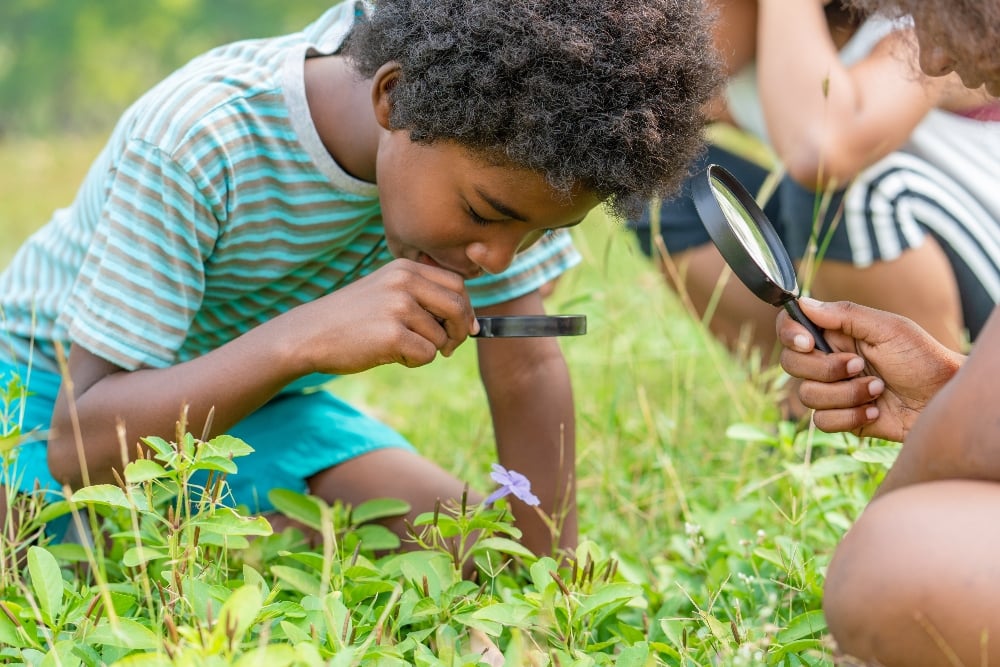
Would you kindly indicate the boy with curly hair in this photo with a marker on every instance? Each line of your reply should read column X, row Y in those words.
column 282, row 210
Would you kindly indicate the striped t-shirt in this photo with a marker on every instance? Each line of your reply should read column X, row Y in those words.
column 213, row 208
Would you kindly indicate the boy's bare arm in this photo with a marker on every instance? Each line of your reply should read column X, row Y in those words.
column 403, row 313
column 531, row 402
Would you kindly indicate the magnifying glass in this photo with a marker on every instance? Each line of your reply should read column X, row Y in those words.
column 526, row 326
column 749, row 244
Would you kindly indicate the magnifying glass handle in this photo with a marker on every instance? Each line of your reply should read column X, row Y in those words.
column 793, row 308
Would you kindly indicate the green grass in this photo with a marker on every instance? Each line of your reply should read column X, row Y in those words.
column 722, row 515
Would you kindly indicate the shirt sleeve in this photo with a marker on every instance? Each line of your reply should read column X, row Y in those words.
column 143, row 278
column 548, row 258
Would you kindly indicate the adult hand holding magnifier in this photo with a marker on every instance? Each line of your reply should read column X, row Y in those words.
column 749, row 244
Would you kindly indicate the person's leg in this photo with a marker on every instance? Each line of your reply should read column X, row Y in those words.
column 391, row 473
column 906, row 238
column 918, row 284
column 916, row 581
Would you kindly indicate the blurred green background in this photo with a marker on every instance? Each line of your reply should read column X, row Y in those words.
column 74, row 65
column 68, row 68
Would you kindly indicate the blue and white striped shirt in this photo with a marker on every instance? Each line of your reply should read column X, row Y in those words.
column 213, row 208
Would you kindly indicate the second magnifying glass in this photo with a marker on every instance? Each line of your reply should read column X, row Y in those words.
column 749, row 244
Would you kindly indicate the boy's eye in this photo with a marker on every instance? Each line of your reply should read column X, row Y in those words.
column 478, row 219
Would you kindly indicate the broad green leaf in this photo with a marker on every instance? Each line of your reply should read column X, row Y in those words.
column 136, row 556
column 54, row 510
column 803, row 625
column 61, row 655
column 296, row 579
column 608, row 597
column 273, row 655
column 507, row 614
column 109, row 494
column 540, row 573
column 295, row 634
column 750, row 433
column 379, row 508
column 144, row 470
column 145, row 660
column 829, row 466
column 227, row 446
column 9, row 634
column 238, row 613
column 227, row 521
column 126, row 633
column 216, row 463
column 377, row 538
column 46, row 582
column 635, row 656
column 884, row 455
column 302, row 508
column 504, row 546
column 163, row 448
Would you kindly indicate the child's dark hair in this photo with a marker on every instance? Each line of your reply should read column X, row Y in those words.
column 607, row 94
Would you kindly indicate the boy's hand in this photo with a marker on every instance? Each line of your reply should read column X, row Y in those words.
column 405, row 312
column 885, row 369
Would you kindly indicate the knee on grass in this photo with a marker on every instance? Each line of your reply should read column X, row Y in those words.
column 916, row 582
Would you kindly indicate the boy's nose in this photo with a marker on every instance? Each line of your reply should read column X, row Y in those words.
column 493, row 257
column 936, row 61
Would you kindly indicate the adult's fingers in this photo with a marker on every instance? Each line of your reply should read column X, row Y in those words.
column 831, row 367
column 836, row 395
column 845, row 419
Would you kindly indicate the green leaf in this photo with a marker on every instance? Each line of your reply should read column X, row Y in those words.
column 226, row 446
column 227, row 521
column 296, row 579
column 379, row 508
column 61, row 655
column 46, row 582
column 136, row 556
column 803, row 625
column 216, row 463
column 54, row 510
column 238, row 614
column 540, row 573
column 609, row 597
column 377, row 538
column 884, row 455
column 9, row 635
column 144, row 470
column 307, row 510
column 750, row 433
column 164, row 449
column 273, row 655
column 504, row 546
column 109, row 494
column 125, row 634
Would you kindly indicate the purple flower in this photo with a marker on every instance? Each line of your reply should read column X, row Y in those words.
column 511, row 484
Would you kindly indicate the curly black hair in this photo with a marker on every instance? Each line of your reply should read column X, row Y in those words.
column 604, row 94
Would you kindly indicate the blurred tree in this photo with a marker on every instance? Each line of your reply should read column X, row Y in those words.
column 74, row 65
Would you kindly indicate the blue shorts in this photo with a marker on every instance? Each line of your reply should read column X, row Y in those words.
column 888, row 208
column 294, row 436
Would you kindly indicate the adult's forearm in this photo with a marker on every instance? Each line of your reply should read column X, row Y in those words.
column 957, row 435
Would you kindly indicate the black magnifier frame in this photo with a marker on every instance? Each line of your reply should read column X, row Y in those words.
column 528, row 326
column 757, row 256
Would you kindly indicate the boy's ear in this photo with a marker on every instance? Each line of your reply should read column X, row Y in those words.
column 382, row 84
